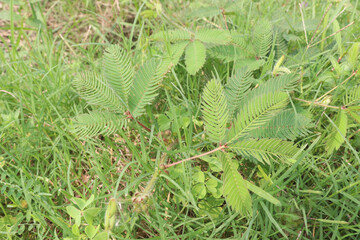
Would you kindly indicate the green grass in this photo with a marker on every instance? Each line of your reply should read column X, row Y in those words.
column 43, row 165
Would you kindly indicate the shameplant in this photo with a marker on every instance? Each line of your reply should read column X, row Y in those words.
column 252, row 123
column 193, row 43
column 341, row 102
column 120, row 92
column 227, row 45
column 241, row 118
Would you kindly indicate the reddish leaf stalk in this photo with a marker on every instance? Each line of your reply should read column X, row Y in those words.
column 128, row 114
column 195, row 157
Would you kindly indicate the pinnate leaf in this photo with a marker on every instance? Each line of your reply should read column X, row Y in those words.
column 215, row 111
column 195, row 54
column 234, row 187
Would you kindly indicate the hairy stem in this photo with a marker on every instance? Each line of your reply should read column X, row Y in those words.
column 332, row 34
column 224, row 17
column 128, row 114
column 194, row 157
column 316, row 103
column 317, row 28
column 353, row 74
column 143, row 126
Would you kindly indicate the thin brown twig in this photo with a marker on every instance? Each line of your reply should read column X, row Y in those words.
column 214, row 24
column 339, row 60
column 68, row 45
column 354, row 133
column 11, row 94
column 316, row 103
column 128, row 114
column 353, row 74
column 332, row 34
column 194, row 157
column 224, row 16
column 332, row 20
column 299, row 235
column 322, row 19
column 142, row 125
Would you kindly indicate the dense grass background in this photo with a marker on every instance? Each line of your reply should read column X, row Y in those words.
column 44, row 44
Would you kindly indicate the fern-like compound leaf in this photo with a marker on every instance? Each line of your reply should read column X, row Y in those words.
column 286, row 82
column 354, row 114
column 215, row 111
column 96, row 123
column 237, row 48
column 262, row 38
column 172, row 56
column 250, row 63
column 93, row 88
column 238, row 40
column 265, row 150
column 144, row 89
column 285, row 125
column 172, row 36
column 354, row 55
column 352, row 97
column 259, row 105
column 195, row 54
column 176, row 51
column 227, row 53
column 236, row 87
column 255, row 112
column 234, row 187
column 214, row 36
column 118, row 70
column 280, row 46
column 337, row 135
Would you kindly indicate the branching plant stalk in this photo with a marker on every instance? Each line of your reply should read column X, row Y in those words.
column 129, row 116
column 317, row 28
column 214, row 24
column 195, row 157
column 331, row 90
column 329, row 24
column 332, row 34
column 224, row 17
column 316, row 103
column 143, row 126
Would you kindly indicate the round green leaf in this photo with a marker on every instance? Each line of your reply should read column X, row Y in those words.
column 199, row 190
